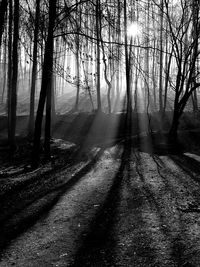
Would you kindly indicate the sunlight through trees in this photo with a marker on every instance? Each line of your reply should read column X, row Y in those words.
column 109, row 56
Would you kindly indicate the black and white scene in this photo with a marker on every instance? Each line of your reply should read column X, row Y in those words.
column 100, row 133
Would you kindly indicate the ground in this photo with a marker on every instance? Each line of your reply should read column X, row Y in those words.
column 113, row 203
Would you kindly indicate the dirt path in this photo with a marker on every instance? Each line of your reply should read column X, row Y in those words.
column 125, row 208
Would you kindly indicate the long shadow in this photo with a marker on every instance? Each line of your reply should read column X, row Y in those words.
column 41, row 188
column 62, row 159
column 14, row 221
column 178, row 243
column 189, row 165
column 96, row 249
column 24, row 216
column 69, row 158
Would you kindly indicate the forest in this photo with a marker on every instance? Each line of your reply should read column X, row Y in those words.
column 100, row 133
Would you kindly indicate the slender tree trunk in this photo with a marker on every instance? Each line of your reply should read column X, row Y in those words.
column 161, row 59
column 34, row 70
column 77, row 41
column 146, row 85
column 109, row 83
column 154, row 79
column 4, row 67
column 3, row 9
column 9, row 80
column 98, row 55
column 128, row 89
column 77, row 75
column 118, row 52
column 48, row 120
column 168, row 66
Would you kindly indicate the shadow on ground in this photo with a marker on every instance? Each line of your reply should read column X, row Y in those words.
column 96, row 249
column 22, row 206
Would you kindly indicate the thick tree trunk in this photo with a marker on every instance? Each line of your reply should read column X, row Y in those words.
column 173, row 133
column 194, row 101
column 13, row 101
column 46, row 85
column 179, row 107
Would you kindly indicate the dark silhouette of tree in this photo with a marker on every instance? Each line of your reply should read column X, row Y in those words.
column 9, row 74
column 161, row 59
column 34, row 70
column 93, row 39
column 13, row 76
column 3, row 9
column 98, row 17
column 186, row 59
column 45, row 91
column 127, row 62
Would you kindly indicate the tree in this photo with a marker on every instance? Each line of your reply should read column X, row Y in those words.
column 185, row 57
column 13, row 75
column 161, row 59
column 34, row 70
column 45, row 92
column 3, row 9
column 127, row 61
column 78, row 48
column 98, row 10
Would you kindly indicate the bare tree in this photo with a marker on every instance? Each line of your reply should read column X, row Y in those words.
column 13, row 75
column 3, row 9
column 185, row 57
column 45, row 90
column 34, row 70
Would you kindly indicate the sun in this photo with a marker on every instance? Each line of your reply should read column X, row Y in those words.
column 134, row 29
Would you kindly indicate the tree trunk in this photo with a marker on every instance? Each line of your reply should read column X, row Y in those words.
column 46, row 85
column 173, row 133
column 98, row 55
column 128, row 89
column 9, row 75
column 4, row 69
column 48, row 122
column 13, row 101
column 77, row 41
column 3, row 9
column 195, row 101
column 34, row 70
column 146, row 65
column 161, row 59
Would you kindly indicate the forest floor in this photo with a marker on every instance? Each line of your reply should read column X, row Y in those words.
column 103, row 200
